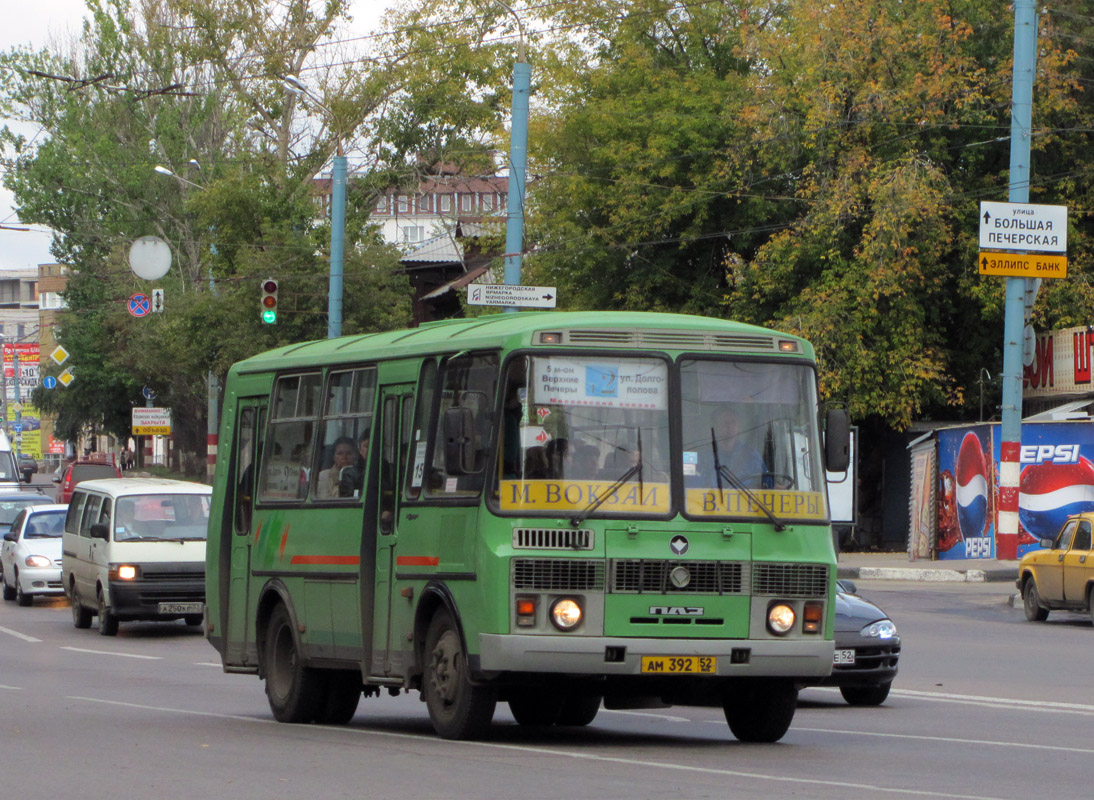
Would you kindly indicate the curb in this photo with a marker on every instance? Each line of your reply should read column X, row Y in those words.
column 919, row 574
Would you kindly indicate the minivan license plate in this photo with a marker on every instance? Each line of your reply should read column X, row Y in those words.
column 844, row 657
column 182, row 608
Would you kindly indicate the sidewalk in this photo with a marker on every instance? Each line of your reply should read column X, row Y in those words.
column 897, row 567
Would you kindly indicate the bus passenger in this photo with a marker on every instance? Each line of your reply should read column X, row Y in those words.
column 344, row 453
column 353, row 477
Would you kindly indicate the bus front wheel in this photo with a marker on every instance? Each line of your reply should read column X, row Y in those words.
column 760, row 710
column 457, row 708
column 293, row 690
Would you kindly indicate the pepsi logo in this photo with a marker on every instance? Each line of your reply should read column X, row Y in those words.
column 1049, row 493
column 972, row 487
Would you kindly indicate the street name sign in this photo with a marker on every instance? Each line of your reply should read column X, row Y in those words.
column 151, row 421
column 1023, row 265
column 503, row 294
column 1023, row 226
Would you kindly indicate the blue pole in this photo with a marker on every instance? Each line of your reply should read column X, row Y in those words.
column 337, row 239
column 518, row 162
column 1021, row 121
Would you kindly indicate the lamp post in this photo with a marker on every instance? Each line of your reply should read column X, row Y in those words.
column 337, row 212
column 518, row 161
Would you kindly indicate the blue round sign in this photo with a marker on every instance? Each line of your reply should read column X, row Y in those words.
column 49, row 382
column 140, row 305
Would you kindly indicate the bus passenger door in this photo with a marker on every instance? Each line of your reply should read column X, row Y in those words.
column 251, row 414
column 397, row 413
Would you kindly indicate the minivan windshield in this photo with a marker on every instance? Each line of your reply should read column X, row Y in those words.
column 161, row 516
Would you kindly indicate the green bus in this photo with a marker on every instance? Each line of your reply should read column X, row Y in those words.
column 556, row 510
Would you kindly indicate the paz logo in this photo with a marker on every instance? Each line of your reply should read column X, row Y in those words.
column 1049, row 493
column 679, row 545
column 972, row 487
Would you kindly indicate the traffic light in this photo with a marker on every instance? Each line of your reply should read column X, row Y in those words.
column 269, row 301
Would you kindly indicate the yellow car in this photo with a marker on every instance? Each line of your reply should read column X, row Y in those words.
column 1061, row 574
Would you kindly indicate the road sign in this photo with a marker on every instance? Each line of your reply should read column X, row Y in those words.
column 49, row 382
column 148, row 393
column 66, row 377
column 59, row 355
column 500, row 294
column 157, row 301
column 1023, row 265
column 1023, row 226
column 151, row 421
column 140, row 305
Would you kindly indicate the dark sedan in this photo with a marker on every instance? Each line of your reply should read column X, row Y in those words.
column 867, row 649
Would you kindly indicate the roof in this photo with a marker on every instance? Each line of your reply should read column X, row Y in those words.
column 459, row 283
column 443, row 249
column 120, row 487
column 459, row 334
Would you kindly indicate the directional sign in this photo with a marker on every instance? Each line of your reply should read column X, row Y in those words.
column 1023, row 226
column 140, row 305
column 151, row 421
column 59, row 355
column 157, row 301
column 49, row 382
column 499, row 294
column 1023, row 265
column 149, row 393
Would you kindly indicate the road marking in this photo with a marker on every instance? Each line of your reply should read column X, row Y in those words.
column 954, row 740
column 665, row 717
column 110, row 653
column 567, row 754
column 13, row 688
column 1050, row 706
column 18, row 635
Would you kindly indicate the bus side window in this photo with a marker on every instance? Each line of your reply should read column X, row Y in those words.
column 244, row 498
column 287, row 462
column 418, row 436
column 463, row 426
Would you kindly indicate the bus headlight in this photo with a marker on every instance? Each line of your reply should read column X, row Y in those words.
column 127, row 572
column 780, row 619
column 565, row 613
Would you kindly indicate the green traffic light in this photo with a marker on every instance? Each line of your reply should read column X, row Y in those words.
column 269, row 316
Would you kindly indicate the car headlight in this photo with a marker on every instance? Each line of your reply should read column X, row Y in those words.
column 38, row 561
column 882, row 629
column 127, row 572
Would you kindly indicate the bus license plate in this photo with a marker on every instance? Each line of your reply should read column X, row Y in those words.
column 182, row 608
column 680, row 665
column 844, row 657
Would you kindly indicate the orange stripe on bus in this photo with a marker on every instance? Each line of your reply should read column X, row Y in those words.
column 417, row 561
column 325, row 560
column 284, row 541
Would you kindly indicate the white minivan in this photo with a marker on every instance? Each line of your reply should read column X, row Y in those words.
column 134, row 549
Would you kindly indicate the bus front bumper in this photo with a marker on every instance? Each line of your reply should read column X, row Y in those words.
column 594, row 656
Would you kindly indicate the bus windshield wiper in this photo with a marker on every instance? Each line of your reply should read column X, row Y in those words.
column 722, row 471
column 636, row 469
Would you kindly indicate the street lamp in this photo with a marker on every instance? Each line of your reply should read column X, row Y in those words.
column 337, row 212
column 162, row 170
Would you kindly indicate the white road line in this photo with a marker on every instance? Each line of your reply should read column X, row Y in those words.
column 982, row 701
column 954, row 740
column 570, row 754
column 665, row 717
column 13, row 688
column 216, row 664
column 110, row 653
column 18, row 635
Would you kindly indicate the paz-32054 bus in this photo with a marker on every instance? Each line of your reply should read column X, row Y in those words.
column 553, row 510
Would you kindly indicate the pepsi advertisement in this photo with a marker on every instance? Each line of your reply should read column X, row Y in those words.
column 1056, row 481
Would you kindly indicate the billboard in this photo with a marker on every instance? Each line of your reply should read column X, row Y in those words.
column 1056, row 480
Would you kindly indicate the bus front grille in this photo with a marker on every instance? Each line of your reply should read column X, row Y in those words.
column 640, row 576
column 790, row 580
column 552, row 539
column 558, row 575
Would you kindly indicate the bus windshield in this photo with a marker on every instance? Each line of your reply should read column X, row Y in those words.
column 590, row 435
column 574, row 426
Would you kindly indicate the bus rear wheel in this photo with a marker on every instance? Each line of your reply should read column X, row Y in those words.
column 579, row 709
column 341, row 695
column 458, row 709
column 293, row 690
column 760, row 710
column 532, row 707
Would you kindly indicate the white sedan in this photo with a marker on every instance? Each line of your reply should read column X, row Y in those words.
column 30, row 558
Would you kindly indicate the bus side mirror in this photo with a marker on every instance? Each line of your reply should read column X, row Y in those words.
column 837, row 440
column 459, row 441
column 99, row 531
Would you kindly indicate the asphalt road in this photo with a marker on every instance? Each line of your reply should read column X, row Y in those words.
column 986, row 705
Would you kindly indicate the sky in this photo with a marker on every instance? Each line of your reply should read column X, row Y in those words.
column 49, row 20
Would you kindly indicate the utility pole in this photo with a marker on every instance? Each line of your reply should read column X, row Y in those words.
column 518, row 161
column 1021, row 121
